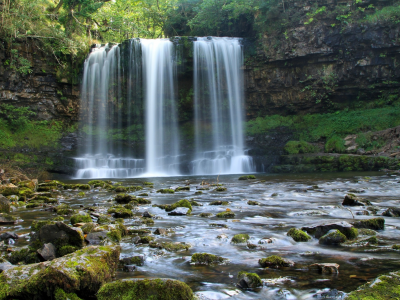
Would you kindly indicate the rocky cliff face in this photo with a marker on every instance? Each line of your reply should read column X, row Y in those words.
column 323, row 66
column 50, row 97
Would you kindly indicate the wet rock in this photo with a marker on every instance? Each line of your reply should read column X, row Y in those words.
column 362, row 213
column 4, row 266
column 9, row 235
column 333, row 237
column 240, row 238
column 129, row 268
column 353, row 200
column 205, row 215
column 266, row 241
column 145, row 289
column 84, row 271
column 392, row 212
column 160, row 231
column 88, row 227
column 96, row 238
column 219, row 203
column 47, row 252
column 136, row 239
column 123, row 198
column 298, row 235
column 6, row 219
column 275, row 261
column 5, row 205
column 250, row 202
column 248, row 280
column 146, row 214
column 375, row 224
column 225, row 214
column 120, row 212
column 327, row 268
column 61, row 234
column 206, row 259
column 180, row 203
column 166, row 191
column 134, row 260
column 179, row 211
column 80, row 217
column 322, row 229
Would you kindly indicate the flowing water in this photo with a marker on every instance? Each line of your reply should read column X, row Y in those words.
column 286, row 201
column 112, row 111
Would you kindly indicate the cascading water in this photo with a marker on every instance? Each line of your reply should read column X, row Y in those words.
column 218, row 100
column 132, row 87
column 162, row 140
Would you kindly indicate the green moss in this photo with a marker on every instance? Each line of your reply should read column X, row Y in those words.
column 244, row 177
column 180, row 203
column 24, row 255
column 273, row 261
column 298, row 235
column 81, row 194
column 34, row 204
column 219, row 203
column 296, row 147
column 220, row 189
column 139, row 231
column 103, row 219
column 146, row 239
column 372, row 240
column 385, row 288
column 144, row 195
column 198, row 193
column 226, row 214
column 240, row 238
column 206, row 259
column 396, row 247
column 64, row 250
column 182, row 188
column 205, row 215
column 375, row 224
column 143, row 201
column 123, row 198
column 114, row 235
column 147, row 221
column 137, row 260
column 148, row 183
column 250, row 202
column 350, row 233
column 80, row 218
column 154, row 289
column 59, row 294
column 195, row 203
column 120, row 212
column 121, row 189
column 166, row 191
column 253, row 280
column 173, row 247
column 37, row 224
column 64, row 209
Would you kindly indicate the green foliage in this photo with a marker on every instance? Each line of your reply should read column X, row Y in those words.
column 18, row 63
column 311, row 15
column 388, row 13
column 16, row 117
column 296, row 147
column 367, row 141
column 335, row 144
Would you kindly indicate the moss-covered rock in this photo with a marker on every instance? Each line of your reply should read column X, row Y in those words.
column 120, row 212
column 240, row 238
column 249, row 280
column 182, row 188
column 5, row 205
column 80, row 217
column 24, row 255
column 375, row 224
column 139, row 289
column 64, row 209
column 37, row 224
column 6, row 219
column 89, row 227
column 226, row 214
column 114, row 235
column 218, row 202
column 173, row 247
column 333, row 237
column 251, row 202
column 59, row 294
column 143, row 201
column 123, row 198
column 205, row 215
column 103, row 219
column 384, row 287
column 60, row 234
column 206, row 259
column 298, row 235
column 180, row 203
column 275, row 261
column 166, row 191
column 82, row 272
column 221, row 189
column 245, row 177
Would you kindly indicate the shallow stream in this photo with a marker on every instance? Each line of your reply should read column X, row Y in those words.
column 286, row 201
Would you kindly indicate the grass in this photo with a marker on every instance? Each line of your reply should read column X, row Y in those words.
column 314, row 127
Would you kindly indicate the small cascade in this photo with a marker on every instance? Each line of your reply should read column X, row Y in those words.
column 159, row 76
column 218, row 101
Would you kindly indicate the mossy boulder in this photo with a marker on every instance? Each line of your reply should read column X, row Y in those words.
column 138, row 289
column 60, row 294
column 344, row 227
column 384, row 287
column 60, row 234
column 173, row 247
column 226, row 214
column 375, row 224
column 166, row 191
column 103, row 219
column 240, row 238
column 251, row 202
column 38, row 224
column 142, row 201
column 120, row 212
column 82, row 272
column 392, row 212
column 205, row 215
column 246, row 177
column 353, row 200
column 218, row 202
column 182, row 188
column 275, row 261
column 221, row 189
column 249, row 280
column 298, row 235
column 206, row 259
column 180, row 203
column 80, row 217
column 6, row 219
column 123, row 198
column 333, row 237
column 64, row 209
column 5, row 205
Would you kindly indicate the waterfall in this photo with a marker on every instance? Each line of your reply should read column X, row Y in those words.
column 129, row 116
column 162, row 141
column 218, row 103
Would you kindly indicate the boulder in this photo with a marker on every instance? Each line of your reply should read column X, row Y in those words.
column 146, row 214
column 80, row 217
column 47, row 252
column 275, row 261
column 375, row 224
column 206, row 259
column 327, row 268
column 353, row 200
column 61, row 234
column 322, row 229
column 5, row 205
column 161, row 231
column 4, row 266
column 333, row 237
column 248, row 280
column 9, row 235
column 83, row 272
column 95, row 238
column 6, row 219
column 145, row 289
column 298, row 235
column 137, row 260
column 392, row 212
column 179, row 211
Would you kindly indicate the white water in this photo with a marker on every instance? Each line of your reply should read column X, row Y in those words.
column 149, row 71
column 218, row 98
column 159, row 79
